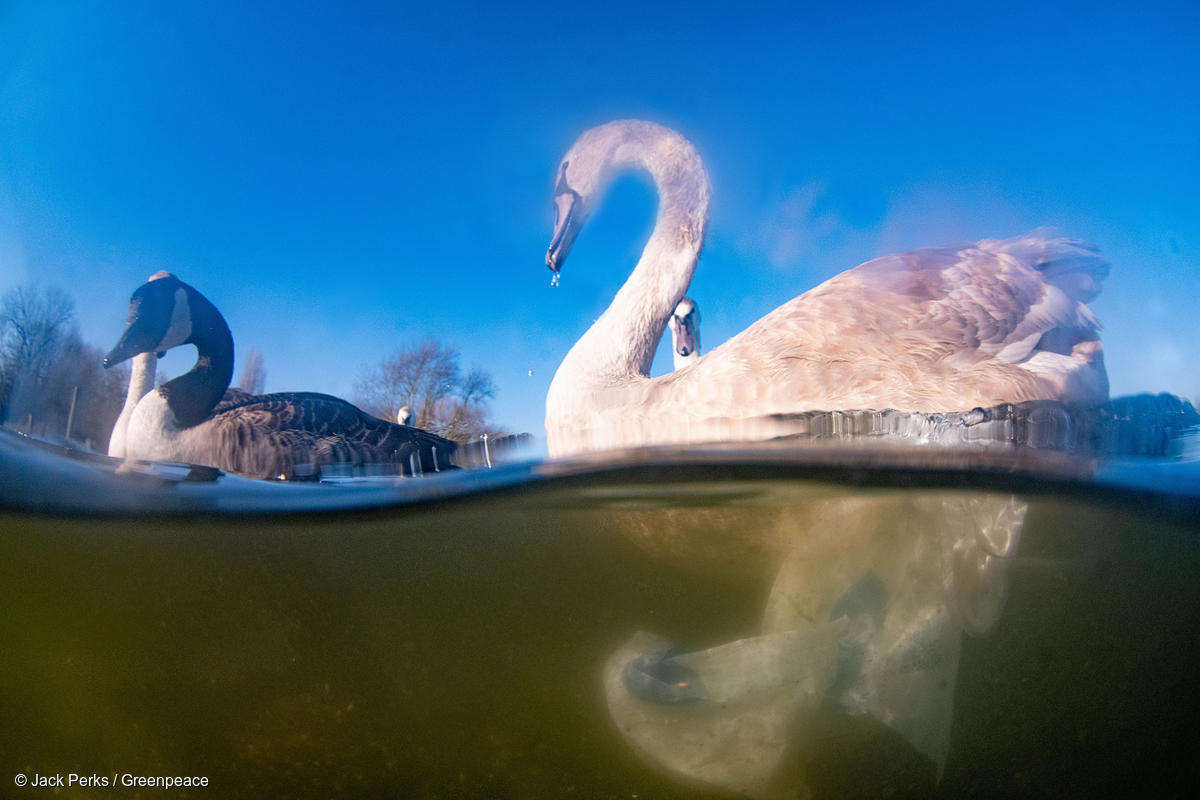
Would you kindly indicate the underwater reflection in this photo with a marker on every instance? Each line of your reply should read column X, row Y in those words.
column 861, row 627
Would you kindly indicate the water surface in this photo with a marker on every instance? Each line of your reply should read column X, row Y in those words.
column 801, row 618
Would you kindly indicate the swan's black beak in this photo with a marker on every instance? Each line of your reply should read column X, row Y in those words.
column 567, row 222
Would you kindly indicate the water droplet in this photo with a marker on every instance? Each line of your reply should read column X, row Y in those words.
column 554, row 278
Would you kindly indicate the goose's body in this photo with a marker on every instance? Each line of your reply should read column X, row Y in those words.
column 141, row 381
column 685, row 333
column 197, row 419
column 938, row 329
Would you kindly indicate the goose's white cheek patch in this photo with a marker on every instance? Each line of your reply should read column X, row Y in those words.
column 181, row 323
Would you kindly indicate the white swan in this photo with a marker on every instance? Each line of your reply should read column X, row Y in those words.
column 685, row 333
column 194, row 419
column 940, row 329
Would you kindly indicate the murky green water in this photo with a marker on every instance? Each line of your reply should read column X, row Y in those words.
column 847, row 631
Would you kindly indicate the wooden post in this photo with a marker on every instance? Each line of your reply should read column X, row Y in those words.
column 71, row 413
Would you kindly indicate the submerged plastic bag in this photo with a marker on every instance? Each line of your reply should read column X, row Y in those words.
column 863, row 624
column 732, row 729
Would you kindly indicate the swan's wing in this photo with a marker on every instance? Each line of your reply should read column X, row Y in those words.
column 933, row 329
column 1001, row 299
column 1074, row 266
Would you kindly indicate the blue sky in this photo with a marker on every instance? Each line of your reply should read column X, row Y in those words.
column 345, row 181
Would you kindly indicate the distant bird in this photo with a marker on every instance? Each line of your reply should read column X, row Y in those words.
column 685, row 333
column 939, row 329
column 404, row 416
column 284, row 435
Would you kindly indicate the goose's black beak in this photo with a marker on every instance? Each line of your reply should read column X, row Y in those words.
column 139, row 337
column 158, row 309
column 567, row 222
column 124, row 350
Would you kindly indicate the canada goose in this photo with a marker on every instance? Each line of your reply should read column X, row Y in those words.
column 193, row 419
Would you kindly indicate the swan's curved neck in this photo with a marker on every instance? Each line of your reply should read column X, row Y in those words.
column 193, row 395
column 621, row 344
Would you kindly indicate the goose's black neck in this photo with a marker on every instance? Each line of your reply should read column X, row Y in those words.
column 193, row 395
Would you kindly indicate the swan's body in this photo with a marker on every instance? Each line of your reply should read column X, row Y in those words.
column 685, row 333
column 940, row 329
column 197, row 419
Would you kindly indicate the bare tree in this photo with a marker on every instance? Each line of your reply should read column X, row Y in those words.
column 78, row 373
column 48, row 376
column 465, row 416
column 34, row 322
column 416, row 378
column 477, row 387
column 254, row 374
column 427, row 380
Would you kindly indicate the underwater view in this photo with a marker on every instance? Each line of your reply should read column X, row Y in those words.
column 617, row 402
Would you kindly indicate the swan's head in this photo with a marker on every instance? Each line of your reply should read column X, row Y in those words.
column 571, row 205
column 159, row 319
column 599, row 155
column 685, row 331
